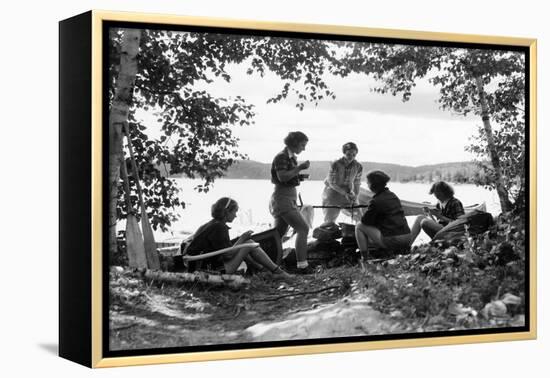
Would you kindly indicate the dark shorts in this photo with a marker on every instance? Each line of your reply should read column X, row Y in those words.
column 397, row 241
column 283, row 200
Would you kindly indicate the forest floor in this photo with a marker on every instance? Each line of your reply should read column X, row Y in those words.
column 477, row 284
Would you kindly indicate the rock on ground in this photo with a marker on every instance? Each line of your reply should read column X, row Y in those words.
column 344, row 318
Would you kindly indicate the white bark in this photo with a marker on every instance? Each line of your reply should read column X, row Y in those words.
column 505, row 203
column 151, row 254
column 118, row 116
column 231, row 280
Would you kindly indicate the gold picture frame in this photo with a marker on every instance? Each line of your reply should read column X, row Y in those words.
column 83, row 273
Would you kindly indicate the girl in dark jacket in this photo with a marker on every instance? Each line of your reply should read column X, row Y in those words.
column 383, row 224
column 214, row 235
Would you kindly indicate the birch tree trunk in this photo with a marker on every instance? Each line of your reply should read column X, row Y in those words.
column 232, row 280
column 505, row 203
column 118, row 116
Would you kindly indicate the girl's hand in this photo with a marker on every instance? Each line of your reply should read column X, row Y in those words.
column 246, row 235
column 304, row 165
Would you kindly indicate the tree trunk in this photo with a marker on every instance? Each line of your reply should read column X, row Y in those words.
column 148, row 237
column 232, row 280
column 505, row 203
column 118, row 116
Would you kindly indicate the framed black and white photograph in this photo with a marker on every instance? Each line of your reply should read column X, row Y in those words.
column 257, row 189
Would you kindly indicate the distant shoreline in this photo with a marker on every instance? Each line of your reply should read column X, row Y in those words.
column 457, row 172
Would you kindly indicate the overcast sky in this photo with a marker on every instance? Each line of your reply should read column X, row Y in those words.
column 386, row 129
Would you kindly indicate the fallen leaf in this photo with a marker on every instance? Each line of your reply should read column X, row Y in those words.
column 466, row 256
column 430, row 265
column 449, row 261
column 396, row 314
column 450, row 252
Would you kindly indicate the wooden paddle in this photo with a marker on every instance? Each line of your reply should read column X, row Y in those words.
column 220, row 251
column 148, row 237
column 134, row 239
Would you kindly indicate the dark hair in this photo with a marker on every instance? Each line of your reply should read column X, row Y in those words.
column 294, row 138
column 443, row 188
column 349, row 146
column 223, row 206
column 378, row 180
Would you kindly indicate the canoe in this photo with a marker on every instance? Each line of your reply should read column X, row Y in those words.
column 411, row 208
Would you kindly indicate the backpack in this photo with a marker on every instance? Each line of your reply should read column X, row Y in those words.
column 477, row 221
column 327, row 232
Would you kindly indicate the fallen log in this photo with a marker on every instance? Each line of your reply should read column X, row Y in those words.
column 231, row 280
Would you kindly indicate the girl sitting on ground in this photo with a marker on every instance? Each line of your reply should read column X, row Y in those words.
column 383, row 224
column 447, row 210
column 214, row 235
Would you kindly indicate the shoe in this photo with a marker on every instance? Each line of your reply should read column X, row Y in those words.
column 279, row 272
column 307, row 270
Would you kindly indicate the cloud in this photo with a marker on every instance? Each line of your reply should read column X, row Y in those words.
column 385, row 128
column 381, row 137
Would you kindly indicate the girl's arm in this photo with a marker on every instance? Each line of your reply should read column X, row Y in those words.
column 244, row 237
column 285, row 175
column 333, row 178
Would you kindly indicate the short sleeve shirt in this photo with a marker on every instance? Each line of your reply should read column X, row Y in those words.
column 453, row 209
column 283, row 162
column 345, row 175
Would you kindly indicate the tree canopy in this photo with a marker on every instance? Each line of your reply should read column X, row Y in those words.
column 195, row 136
column 484, row 82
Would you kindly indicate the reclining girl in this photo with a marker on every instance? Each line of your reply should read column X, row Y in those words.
column 447, row 210
column 214, row 235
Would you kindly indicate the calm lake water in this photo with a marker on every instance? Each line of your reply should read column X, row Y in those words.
column 253, row 198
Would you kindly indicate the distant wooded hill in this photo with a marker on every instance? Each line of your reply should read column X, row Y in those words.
column 459, row 172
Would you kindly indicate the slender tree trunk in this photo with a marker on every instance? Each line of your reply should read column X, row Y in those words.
column 505, row 203
column 148, row 237
column 118, row 116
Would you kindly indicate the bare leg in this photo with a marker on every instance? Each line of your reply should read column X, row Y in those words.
column 430, row 227
column 236, row 259
column 297, row 222
column 281, row 226
column 361, row 237
column 330, row 198
column 417, row 227
column 259, row 256
column 251, row 263
column 330, row 214
column 366, row 235
column 254, row 255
